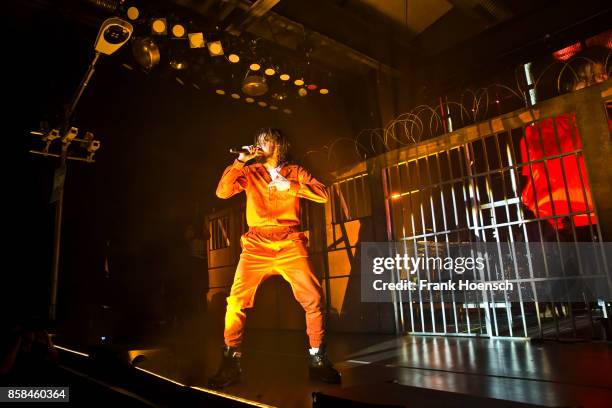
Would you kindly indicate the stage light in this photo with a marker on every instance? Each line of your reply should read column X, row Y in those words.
column 299, row 82
column 254, row 85
column 302, row 92
column 287, row 111
column 323, row 91
column 235, row 96
column 220, row 92
column 178, row 63
column 51, row 136
column 270, row 71
column 70, row 135
column 249, row 100
column 113, row 33
column 159, row 26
column 254, row 66
column 215, row 48
column 284, row 77
column 86, row 140
column 233, row 58
column 146, row 52
column 279, row 96
column 93, row 146
column 178, row 31
column 273, row 107
column 262, row 104
column 311, row 87
column 196, row 40
column 133, row 13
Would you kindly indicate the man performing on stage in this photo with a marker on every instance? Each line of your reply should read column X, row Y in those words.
column 272, row 245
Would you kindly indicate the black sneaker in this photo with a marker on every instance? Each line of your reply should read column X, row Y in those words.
column 320, row 368
column 229, row 372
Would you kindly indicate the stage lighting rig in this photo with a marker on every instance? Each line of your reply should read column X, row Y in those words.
column 87, row 143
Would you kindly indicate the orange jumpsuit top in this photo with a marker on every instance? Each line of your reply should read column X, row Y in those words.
column 270, row 207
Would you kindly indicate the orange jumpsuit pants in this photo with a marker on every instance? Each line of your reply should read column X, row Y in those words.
column 268, row 251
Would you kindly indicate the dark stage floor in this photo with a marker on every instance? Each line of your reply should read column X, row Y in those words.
column 406, row 371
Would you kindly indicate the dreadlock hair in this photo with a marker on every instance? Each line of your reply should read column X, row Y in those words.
column 278, row 137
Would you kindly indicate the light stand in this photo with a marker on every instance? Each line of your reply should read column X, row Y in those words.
column 113, row 33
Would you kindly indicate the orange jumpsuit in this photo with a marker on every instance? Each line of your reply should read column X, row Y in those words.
column 273, row 243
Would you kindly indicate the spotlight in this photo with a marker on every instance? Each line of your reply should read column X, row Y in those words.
column 323, row 91
column 233, row 58
column 262, row 104
column 178, row 31
column 311, row 87
column 254, row 85
column 93, row 146
column 284, row 77
column 273, row 107
column 270, row 71
column 113, row 33
column 215, row 48
column 51, row 136
column 235, row 96
column 196, row 40
column 70, row 135
column 87, row 139
column 254, row 66
column 302, row 92
column 299, row 82
column 159, row 26
column 249, row 100
column 279, row 96
column 146, row 52
column 178, row 63
column 220, row 92
column 287, row 111
column 133, row 13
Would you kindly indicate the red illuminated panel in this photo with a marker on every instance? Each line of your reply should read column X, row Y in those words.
column 566, row 53
column 550, row 198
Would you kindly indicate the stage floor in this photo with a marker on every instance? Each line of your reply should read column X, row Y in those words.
column 400, row 370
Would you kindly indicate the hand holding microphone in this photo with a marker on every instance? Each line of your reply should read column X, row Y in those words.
column 247, row 153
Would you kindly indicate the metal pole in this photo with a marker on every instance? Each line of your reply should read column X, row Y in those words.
column 84, row 82
column 59, row 205
column 57, row 238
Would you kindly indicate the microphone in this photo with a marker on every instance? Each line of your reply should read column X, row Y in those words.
column 240, row 150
